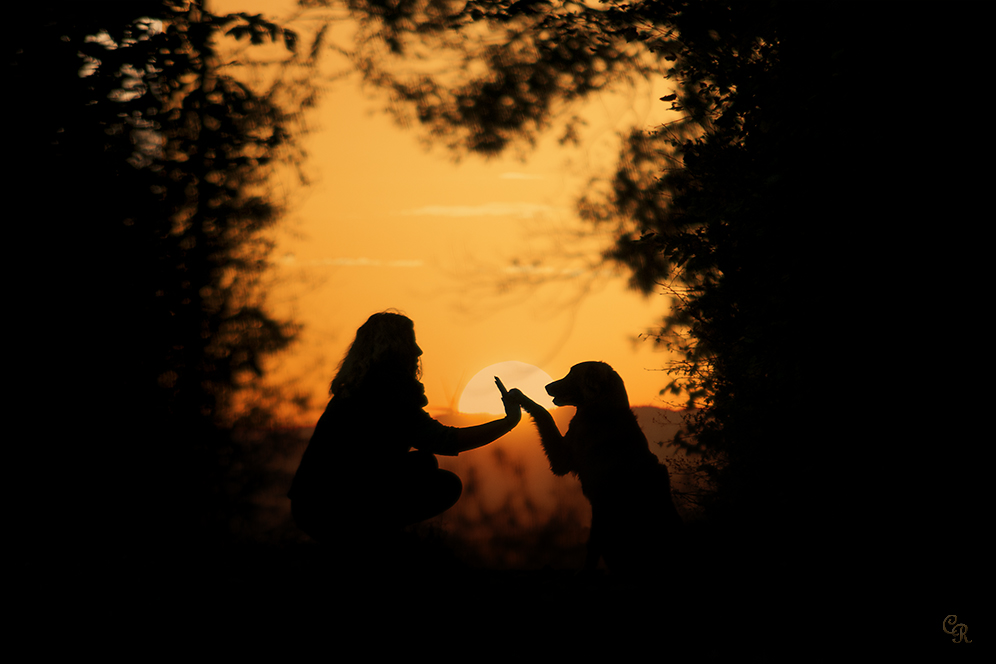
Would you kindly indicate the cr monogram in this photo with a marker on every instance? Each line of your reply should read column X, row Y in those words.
column 957, row 630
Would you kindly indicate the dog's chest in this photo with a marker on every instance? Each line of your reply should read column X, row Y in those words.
column 603, row 454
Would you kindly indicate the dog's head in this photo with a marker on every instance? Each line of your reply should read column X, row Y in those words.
column 589, row 384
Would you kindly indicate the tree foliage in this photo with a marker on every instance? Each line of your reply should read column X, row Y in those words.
column 777, row 220
column 486, row 76
column 143, row 164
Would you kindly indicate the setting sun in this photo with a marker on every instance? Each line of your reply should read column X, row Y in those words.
column 481, row 394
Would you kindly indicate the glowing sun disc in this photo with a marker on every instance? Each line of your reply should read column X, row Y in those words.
column 481, row 394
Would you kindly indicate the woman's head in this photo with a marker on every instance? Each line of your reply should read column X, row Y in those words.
column 384, row 349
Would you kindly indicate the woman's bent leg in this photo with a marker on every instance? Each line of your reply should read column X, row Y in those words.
column 431, row 495
column 417, row 490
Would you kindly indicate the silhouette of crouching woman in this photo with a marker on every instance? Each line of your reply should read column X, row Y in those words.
column 359, row 480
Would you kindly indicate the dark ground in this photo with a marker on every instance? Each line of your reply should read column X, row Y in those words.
column 419, row 597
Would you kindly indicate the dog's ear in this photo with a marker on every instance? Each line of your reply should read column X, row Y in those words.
column 590, row 383
column 607, row 386
column 619, row 390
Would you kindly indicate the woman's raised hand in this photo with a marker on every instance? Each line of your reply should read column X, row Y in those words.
column 513, row 411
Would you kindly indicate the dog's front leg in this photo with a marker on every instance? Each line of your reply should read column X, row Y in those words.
column 557, row 451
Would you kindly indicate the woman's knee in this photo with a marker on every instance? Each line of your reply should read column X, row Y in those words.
column 307, row 520
column 450, row 484
column 421, row 462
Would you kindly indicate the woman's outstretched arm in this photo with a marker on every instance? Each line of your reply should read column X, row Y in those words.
column 469, row 438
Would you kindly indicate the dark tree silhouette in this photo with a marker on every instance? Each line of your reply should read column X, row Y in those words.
column 779, row 220
column 485, row 76
column 140, row 165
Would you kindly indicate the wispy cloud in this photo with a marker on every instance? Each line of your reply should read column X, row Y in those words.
column 527, row 210
column 352, row 262
column 545, row 270
column 520, row 176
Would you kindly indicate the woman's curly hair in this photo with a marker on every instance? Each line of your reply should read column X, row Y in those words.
column 383, row 357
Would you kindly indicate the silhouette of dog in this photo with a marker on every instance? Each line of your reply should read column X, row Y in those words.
column 633, row 518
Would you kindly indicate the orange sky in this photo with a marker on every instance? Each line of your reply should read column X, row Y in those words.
column 387, row 224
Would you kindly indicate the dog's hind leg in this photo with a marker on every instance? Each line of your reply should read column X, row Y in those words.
column 593, row 550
